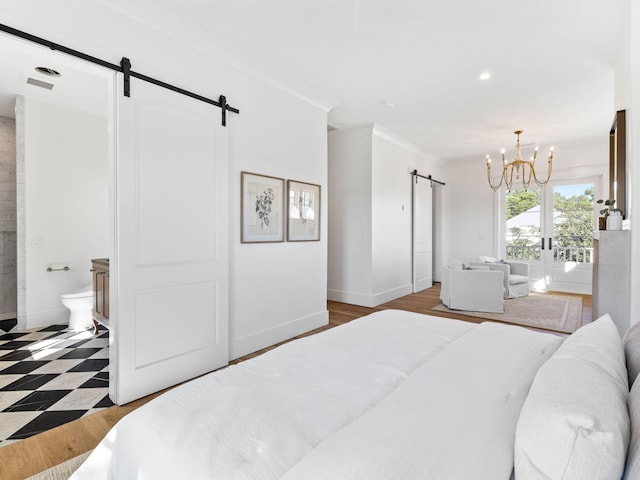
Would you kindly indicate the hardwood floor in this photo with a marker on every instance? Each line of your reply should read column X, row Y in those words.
column 32, row 455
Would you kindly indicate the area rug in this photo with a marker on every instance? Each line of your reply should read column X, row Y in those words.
column 560, row 313
column 62, row 471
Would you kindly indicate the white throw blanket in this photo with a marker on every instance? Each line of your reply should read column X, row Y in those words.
column 396, row 390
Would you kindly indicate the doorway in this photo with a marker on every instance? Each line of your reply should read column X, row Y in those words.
column 551, row 228
column 61, row 217
column 60, row 107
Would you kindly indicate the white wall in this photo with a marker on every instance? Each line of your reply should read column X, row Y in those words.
column 471, row 203
column 633, row 157
column 350, row 200
column 66, row 205
column 276, row 290
column 392, row 160
column 469, row 215
column 391, row 220
column 370, row 222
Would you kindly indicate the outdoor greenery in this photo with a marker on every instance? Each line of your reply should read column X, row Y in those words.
column 523, row 241
column 572, row 225
column 519, row 201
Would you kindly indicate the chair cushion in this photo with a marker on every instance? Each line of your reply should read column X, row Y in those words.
column 517, row 279
column 455, row 264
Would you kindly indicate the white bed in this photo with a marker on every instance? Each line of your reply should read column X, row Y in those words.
column 394, row 395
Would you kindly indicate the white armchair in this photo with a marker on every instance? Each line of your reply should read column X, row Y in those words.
column 516, row 276
column 477, row 290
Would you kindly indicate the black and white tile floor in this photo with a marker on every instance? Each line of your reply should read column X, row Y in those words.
column 50, row 376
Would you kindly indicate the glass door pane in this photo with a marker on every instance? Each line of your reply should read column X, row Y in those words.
column 573, row 223
column 523, row 221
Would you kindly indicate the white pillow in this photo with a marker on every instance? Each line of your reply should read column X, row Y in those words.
column 487, row 259
column 632, row 470
column 631, row 343
column 574, row 423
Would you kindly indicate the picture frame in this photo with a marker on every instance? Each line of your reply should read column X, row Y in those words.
column 303, row 211
column 262, row 207
column 618, row 162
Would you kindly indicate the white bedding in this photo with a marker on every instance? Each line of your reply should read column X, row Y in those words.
column 391, row 395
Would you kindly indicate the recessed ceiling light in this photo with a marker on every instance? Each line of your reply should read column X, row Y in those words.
column 485, row 76
column 48, row 71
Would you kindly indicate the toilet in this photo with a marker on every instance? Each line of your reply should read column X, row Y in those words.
column 80, row 304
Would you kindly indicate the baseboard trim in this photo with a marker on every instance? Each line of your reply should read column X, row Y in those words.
column 569, row 288
column 365, row 300
column 350, row 297
column 46, row 318
column 242, row 346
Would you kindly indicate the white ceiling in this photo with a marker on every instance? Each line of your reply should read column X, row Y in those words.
column 552, row 62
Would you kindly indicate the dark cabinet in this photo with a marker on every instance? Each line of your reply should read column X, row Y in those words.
column 100, row 269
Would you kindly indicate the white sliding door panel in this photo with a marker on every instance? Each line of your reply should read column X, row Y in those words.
column 198, row 302
column 422, row 237
column 170, row 271
column 172, row 194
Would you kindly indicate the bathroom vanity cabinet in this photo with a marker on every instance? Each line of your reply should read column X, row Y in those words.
column 100, row 270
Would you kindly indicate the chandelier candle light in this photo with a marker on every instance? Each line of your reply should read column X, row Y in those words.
column 524, row 168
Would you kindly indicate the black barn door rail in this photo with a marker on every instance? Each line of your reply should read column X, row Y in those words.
column 426, row 177
column 125, row 69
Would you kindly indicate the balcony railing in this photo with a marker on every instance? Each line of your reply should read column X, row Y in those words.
column 560, row 254
column 573, row 254
column 523, row 252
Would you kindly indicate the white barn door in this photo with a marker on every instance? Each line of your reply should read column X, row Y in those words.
column 422, row 237
column 170, row 271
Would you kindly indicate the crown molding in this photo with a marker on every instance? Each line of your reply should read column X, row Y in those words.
column 344, row 133
column 392, row 137
column 383, row 133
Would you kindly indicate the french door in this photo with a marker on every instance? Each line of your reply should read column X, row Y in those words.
column 551, row 228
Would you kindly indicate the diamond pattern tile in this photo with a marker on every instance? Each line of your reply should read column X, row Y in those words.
column 50, row 376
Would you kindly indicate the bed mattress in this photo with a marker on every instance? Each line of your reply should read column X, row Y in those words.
column 391, row 395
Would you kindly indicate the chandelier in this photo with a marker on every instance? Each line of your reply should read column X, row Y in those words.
column 522, row 168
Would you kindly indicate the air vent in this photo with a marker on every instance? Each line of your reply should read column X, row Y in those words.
column 48, row 71
column 40, row 83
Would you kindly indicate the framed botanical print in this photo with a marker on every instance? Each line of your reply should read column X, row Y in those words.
column 303, row 212
column 262, row 208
